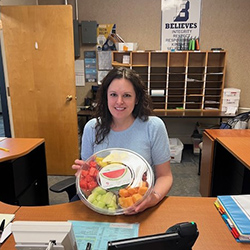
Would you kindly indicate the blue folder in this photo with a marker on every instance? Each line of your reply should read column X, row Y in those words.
column 237, row 208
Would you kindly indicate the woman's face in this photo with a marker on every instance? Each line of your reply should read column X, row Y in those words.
column 121, row 98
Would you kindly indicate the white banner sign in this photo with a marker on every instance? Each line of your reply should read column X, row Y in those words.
column 180, row 23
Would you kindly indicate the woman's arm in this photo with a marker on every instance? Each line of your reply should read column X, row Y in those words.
column 163, row 184
column 164, row 179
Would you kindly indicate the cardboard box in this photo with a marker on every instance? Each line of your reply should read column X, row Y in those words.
column 176, row 148
column 231, row 92
column 230, row 101
column 225, row 108
column 126, row 46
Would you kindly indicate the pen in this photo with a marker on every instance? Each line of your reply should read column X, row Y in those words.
column 2, row 227
column 88, row 247
column 4, row 149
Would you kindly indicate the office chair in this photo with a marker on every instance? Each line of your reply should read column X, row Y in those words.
column 67, row 185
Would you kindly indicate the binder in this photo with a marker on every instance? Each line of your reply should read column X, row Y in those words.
column 235, row 211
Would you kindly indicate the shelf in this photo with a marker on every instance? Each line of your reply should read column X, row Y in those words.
column 141, row 69
column 196, row 59
column 177, row 77
column 175, row 91
column 196, row 70
column 162, row 78
column 195, row 85
column 117, row 58
column 190, row 80
column 140, row 59
column 117, row 64
column 216, row 59
column 159, row 59
column 177, row 59
column 177, row 70
column 176, row 84
column 194, row 94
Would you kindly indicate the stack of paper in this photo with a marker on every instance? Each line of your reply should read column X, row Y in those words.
column 235, row 211
column 7, row 226
column 99, row 233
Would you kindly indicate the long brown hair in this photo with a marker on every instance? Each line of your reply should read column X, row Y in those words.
column 142, row 109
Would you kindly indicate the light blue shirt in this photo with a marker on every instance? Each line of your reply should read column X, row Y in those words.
column 147, row 138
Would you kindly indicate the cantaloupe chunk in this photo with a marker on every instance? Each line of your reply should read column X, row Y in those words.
column 129, row 201
column 125, row 202
column 123, row 192
column 136, row 197
column 129, row 196
column 132, row 191
column 142, row 190
column 144, row 184
column 121, row 201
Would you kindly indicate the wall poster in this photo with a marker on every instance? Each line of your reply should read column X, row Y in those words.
column 180, row 24
column 90, row 66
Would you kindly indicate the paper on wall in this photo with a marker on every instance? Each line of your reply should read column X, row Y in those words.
column 79, row 73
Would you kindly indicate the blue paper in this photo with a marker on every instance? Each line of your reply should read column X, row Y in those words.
column 99, row 233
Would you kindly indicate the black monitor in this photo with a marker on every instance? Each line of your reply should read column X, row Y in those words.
column 181, row 236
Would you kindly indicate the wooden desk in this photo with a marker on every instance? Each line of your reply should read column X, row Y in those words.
column 23, row 178
column 193, row 114
column 86, row 113
column 220, row 145
column 214, row 233
column 8, row 209
column 174, row 114
column 239, row 147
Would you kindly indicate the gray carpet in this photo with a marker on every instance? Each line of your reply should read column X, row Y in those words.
column 186, row 178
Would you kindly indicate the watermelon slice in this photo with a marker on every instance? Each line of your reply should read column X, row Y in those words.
column 115, row 173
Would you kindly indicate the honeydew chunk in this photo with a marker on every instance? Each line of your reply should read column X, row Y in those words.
column 99, row 197
column 108, row 197
column 95, row 203
column 111, row 209
column 92, row 197
column 100, row 204
column 114, row 198
column 112, row 204
column 99, row 190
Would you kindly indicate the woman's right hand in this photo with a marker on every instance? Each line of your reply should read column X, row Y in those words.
column 78, row 166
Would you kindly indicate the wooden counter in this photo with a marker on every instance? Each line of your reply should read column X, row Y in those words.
column 213, row 232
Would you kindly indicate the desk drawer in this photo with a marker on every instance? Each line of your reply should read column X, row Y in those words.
column 23, row 174
column 30, row 196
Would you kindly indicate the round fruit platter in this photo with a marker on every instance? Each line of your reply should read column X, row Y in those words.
column 114, row 180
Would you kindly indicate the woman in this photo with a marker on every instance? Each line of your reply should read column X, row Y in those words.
column 123, row 121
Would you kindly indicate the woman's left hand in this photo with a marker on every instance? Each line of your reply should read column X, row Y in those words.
column 164, row 181
column 150, row 201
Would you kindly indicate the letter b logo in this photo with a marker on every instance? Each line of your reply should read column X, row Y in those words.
column 183, row 14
